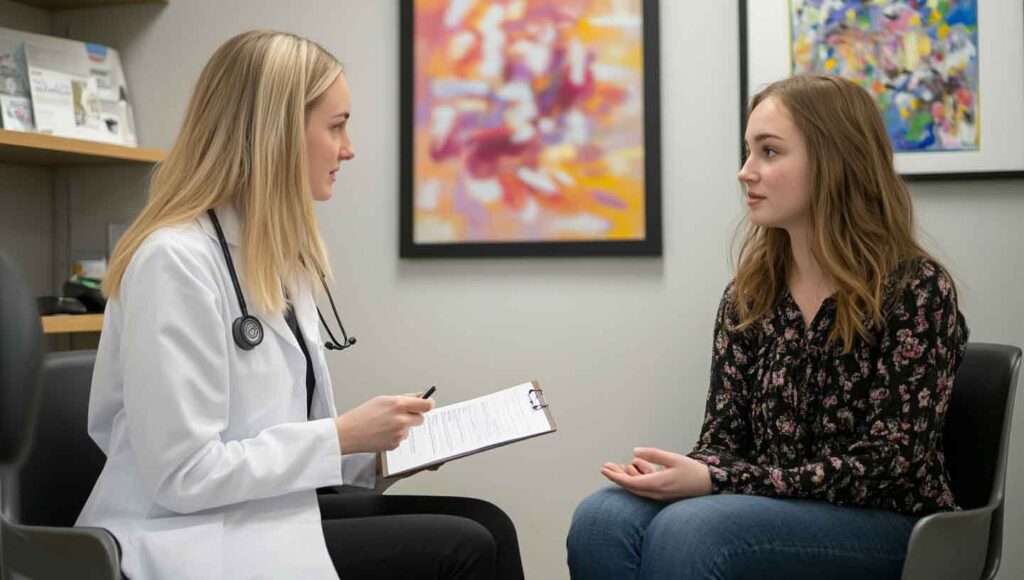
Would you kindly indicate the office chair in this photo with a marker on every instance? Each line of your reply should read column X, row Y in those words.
column 969, row 543
column 20, row 356
column 55, row 465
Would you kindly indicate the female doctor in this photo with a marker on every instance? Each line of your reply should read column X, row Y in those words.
column 211, row 398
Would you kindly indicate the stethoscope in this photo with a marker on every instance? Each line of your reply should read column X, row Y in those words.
column 247, row 330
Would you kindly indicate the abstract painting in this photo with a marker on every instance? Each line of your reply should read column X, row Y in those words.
column 918, row 59
column 530, row 128
column 947, row 75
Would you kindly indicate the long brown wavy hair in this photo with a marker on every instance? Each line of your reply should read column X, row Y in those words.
column 861, row 215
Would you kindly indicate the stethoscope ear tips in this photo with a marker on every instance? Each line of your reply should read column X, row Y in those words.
column 332, row 345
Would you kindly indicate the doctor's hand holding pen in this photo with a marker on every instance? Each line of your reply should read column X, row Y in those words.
column 381, row 423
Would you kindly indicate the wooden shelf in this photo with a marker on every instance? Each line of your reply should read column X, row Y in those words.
column 72, row 323
column 40, row 149
column 72, row 4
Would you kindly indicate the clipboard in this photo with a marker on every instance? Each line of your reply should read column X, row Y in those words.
column 447, row 433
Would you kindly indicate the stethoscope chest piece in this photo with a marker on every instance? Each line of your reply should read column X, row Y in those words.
column 248, row 332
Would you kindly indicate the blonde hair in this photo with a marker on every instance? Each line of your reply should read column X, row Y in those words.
column 243, row 142
column 861, row 214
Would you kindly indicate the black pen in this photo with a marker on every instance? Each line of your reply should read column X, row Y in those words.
column 429, row 392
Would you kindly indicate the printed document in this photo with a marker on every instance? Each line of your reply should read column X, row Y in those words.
column 471, row 426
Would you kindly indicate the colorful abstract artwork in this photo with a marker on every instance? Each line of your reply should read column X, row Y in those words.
column 919, row 58
column 530, row 127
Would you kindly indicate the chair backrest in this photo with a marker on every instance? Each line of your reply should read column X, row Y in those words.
column 978, row 423
column 59, row 473
column 20, row 355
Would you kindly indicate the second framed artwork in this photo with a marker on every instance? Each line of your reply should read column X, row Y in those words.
column 948, row 76
column 530, row 128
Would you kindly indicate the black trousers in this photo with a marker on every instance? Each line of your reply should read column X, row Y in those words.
column 395, row 536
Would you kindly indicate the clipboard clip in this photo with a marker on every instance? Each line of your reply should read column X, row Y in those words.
column 537, row 399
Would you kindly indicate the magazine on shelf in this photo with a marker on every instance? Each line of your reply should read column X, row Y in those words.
column 73, row 89
column 15, row 103
column 64, row 97
column 112, row 90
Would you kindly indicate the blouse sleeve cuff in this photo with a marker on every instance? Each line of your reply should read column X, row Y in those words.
column 721, row 479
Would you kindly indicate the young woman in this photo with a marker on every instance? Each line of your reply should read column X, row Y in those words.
column 834, row 354
column 211, row 397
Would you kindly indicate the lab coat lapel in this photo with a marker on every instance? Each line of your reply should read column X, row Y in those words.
column 277, row 323
column 305, row 313
column 309, row 323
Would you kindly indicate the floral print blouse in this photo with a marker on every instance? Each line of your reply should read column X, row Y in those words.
column 790, row 415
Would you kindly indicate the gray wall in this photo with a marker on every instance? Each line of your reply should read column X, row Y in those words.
column 622, row 345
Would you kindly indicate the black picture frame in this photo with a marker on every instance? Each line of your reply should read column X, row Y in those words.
column 650, row 245
column 745, row 95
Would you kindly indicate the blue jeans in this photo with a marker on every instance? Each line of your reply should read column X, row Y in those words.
column 619, row 536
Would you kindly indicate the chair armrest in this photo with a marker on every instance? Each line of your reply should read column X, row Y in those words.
column 931, row 554
column 51, row 552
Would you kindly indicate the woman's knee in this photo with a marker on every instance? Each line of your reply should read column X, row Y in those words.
column 689, row 536
column 606, row 534
column 611, row 511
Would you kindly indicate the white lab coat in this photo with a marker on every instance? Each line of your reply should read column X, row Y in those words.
column 211, row 463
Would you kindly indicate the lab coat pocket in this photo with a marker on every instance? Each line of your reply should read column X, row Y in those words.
column 187, row 546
